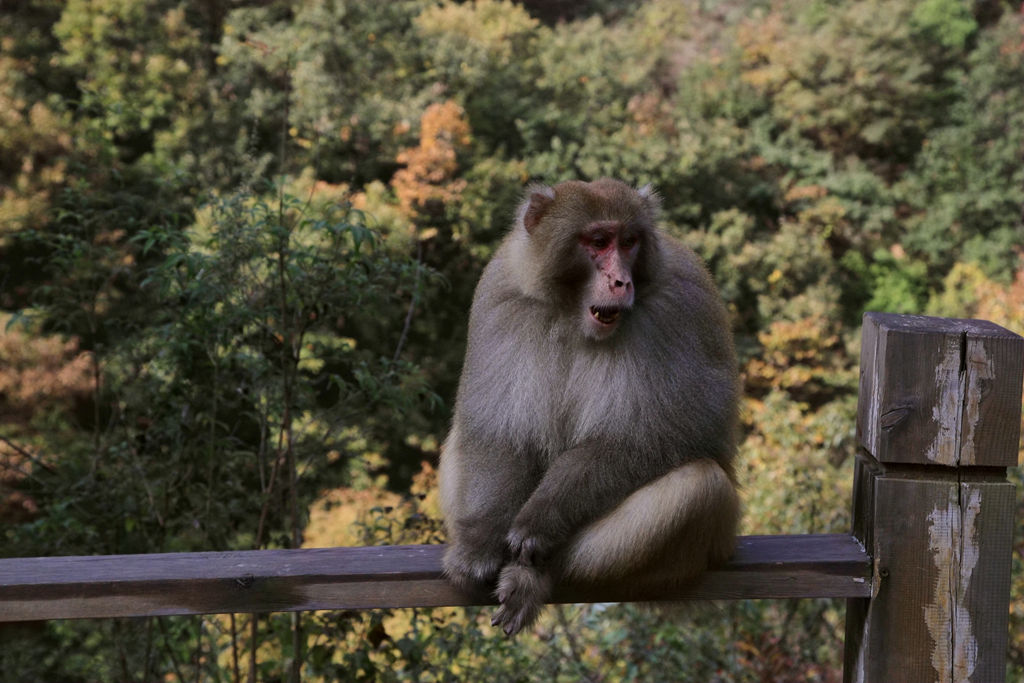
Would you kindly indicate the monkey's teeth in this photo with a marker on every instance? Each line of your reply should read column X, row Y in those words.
column 604, row 315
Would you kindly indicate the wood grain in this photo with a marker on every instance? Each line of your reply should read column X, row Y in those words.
column 941, row 583
column 939, row 391
column 938, row 420
column 827, row 565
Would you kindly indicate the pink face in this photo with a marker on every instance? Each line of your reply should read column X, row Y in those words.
column 612, row 247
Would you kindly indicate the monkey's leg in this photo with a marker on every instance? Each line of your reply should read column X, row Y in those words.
column 671, row 529
column 482, row 489
column 580, row 486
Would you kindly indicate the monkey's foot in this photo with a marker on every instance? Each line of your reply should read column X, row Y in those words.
column 522, row 592
column 471, row 572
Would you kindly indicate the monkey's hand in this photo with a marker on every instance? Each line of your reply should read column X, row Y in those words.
column 522, row 592
column 472, row 570
column 531, row 541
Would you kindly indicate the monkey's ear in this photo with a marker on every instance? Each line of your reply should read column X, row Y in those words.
column 539, row 199
column 651, row 197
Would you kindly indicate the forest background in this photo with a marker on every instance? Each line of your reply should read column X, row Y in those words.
column 238, row 240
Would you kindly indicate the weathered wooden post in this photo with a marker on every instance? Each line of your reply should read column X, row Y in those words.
column 938, row 423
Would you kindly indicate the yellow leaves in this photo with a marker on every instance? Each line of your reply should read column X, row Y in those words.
column 376, row 200
column 425, row 485
column 848, row 80
column 110, row 237
column 797, row 356
column 758, row 371
column 427, row 182
column 825, row 217
column 309, row 361
column 799, row 192
column 333, row 515
column 798, row 340
column 444, row 121
column 968, row 292
column 653, row 115
column 761, row 40
column 762, row 78
column 341, row 516
column 40, row 371
column 263, row 48
column 37, row 140
column 490, row 25
column 816, row 211
column 788, row 465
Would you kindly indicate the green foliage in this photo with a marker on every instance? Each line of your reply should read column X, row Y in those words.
column 896, row 284
column 218, row 417
column 201, row 355
column 136, row 65
column 968, row 184
column 484, row 50
column 948, row 22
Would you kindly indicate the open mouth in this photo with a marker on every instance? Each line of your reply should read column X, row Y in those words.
column 606, row 315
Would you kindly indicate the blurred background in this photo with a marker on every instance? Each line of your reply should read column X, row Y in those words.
column 238, row 241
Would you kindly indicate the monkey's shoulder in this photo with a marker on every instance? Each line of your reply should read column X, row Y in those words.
column 681, row 263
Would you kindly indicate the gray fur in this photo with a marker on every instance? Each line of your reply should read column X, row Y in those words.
column 553, row 431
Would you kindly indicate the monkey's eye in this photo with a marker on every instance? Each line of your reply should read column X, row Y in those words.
column 598, row 241
column 629, row 241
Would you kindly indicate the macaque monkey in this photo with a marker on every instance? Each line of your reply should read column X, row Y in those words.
column 595, row 421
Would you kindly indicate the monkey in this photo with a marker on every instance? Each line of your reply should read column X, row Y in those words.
column 595, row 419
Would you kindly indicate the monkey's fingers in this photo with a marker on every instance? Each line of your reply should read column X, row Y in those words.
column 511, row 622
column 524, row 547
column 522, row 592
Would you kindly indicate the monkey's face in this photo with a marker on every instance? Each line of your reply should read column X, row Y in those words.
column 586, row 247
column 611, row 247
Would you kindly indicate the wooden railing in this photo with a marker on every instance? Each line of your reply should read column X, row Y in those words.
column 926, row 570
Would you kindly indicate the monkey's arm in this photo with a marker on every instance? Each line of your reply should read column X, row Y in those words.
column 582, row 485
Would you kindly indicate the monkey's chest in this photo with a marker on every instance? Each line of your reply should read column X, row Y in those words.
column 540, row 388
column 571, row 400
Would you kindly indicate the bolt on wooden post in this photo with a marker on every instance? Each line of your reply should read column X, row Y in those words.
column 938, row 423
